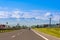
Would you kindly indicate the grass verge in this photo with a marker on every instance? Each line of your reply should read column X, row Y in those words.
column 50, row 31
column 1, row 31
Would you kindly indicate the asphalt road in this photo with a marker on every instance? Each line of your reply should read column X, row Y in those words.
column 23, row 34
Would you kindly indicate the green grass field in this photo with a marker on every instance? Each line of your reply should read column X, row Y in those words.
column 50, row 31
column 1, row 31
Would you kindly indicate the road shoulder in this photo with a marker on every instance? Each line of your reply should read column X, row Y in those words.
column 39, row 34
column 45, row 36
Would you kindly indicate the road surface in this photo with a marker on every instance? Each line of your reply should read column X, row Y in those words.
column 23, row 34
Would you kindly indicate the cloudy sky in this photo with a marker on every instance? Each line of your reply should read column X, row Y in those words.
column 29, row 12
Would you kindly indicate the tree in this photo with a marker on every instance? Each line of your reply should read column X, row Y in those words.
column 18, row 26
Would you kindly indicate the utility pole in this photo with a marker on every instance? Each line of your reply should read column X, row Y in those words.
column 50, row 19
column 59, row 22
column 7, row 24
column 50, row 22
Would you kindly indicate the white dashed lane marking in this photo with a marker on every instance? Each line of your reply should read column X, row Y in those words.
column 18, row 34
column 13, row 36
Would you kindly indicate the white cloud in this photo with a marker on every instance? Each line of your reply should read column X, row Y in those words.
column 41, row 17
column 17, row 14
column 56, row 18
column 34, row 14
column 47, row 14
column 37, row 14
column 27, row 15
column 4, row 14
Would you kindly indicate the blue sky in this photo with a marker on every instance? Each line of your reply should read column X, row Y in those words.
column 29, row 12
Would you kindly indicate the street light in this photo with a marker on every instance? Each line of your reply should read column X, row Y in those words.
column 7, row 24
column 50, row 19
column 59, row 21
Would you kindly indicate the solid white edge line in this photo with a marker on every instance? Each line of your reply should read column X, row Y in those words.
column 40, row 35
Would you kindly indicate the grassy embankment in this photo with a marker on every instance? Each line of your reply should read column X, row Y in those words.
column 2, row 31
column 8, row 30
column 50, row 31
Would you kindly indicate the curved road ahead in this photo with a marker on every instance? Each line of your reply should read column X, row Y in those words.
column 23, row 34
